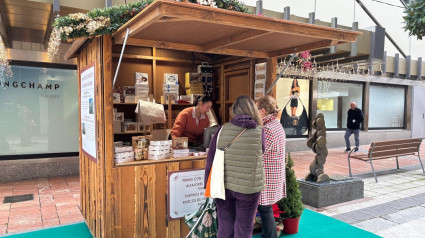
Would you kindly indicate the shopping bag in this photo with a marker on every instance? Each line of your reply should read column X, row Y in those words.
column 203, row 223
column 217, row 189
column 149, row 113
column 215, row 182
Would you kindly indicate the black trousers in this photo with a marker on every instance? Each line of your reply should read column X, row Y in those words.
column 268, row 224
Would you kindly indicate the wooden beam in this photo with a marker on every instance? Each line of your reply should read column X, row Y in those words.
column 75, row 47
column 236, row 19
column 196, row 48
column 310, row 46
column 230, row 40
column 147, row 17
column 170, row 19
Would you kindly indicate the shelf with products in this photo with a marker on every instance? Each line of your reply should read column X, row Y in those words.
column 151, row 161
column 126, row 103
column 133, row 133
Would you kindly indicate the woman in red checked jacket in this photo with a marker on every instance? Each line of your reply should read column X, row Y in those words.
column 274, row 164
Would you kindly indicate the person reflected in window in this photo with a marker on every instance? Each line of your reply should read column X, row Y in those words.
column 294, row 94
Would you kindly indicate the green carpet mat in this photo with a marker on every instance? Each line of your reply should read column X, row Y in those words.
column 79, row 230
column 313, row 224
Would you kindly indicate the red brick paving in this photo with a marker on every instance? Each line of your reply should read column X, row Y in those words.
column 337, row 163
column 56, row 200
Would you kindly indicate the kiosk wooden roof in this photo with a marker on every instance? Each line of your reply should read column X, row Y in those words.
column 192, row 27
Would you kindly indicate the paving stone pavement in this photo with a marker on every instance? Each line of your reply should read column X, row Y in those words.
column 387, row 212
column 394, row 207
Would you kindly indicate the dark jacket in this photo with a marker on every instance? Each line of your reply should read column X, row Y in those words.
column 239, row 120
column 354, row 118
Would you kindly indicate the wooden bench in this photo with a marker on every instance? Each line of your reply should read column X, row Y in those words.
column 388, row 149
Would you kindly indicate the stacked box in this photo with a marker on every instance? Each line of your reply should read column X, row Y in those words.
column 141, row 87
column 116, row 97
column 159, row 150
column 123, row 154
column 130, row 126
column 192, row 78
column 171, row 88
column 178, row 153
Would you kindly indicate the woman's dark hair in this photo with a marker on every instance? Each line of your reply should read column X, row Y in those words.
column 296, row 85
column 203, row 99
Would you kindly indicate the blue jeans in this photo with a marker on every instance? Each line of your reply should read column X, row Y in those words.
column 268, row 225
column 348, row 133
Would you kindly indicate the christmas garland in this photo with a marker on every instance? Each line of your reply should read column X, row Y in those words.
column 107, row 20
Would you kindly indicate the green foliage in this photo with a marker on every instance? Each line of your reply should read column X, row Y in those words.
column 414, row 18
column 233, row 5
column 119, row 15
column 292, row 204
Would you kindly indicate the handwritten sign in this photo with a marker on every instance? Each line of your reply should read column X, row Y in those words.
column 186, row 192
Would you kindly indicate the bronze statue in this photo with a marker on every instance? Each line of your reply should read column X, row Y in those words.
column 317, row 142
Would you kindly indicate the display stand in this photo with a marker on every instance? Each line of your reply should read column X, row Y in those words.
column 130, row 200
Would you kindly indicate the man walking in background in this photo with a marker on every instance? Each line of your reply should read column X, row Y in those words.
column 354, row 118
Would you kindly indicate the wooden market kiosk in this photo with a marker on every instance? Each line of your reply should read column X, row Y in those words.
column 130, row 200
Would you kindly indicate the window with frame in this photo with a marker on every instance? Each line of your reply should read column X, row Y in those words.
column 387, row 106
column 334, row 99
column 39, row 112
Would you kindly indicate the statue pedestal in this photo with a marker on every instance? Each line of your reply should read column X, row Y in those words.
column 338, row 190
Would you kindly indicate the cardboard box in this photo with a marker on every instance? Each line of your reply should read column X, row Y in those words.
column 142, row 94
column 191, row 78
column 180, row 143
column 171, row 78
column 129, row 99
column 119, row 116
column 142, row 78
column 116, row 97
column 118, row 143
column 143, row 128
column 173, row 96
column 130, row 126
column 129, row 90
column 117, row 127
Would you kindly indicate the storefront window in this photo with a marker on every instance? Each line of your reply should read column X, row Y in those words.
column 386, row 106
column 38, row 112
column 292, row 97
column 334, row 99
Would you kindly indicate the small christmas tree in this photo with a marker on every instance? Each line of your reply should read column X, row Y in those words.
column 292, row 205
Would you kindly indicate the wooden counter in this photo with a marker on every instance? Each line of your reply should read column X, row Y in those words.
column 162, row 161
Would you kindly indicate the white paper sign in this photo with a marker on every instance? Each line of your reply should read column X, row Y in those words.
column 88, row 112
column 260, row 80
column 186, row 192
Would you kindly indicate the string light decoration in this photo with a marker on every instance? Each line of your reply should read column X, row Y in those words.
column 5, row 69
column 54, row 43
column 304, row 67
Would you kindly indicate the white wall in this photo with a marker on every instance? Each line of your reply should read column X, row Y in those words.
column 390, row 17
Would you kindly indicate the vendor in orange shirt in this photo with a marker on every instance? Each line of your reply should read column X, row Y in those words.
column 192, row 121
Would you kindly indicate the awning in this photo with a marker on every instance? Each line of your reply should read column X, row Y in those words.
column 192, row 27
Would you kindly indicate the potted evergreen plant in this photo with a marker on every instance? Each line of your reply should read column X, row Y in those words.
column 292, row 205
